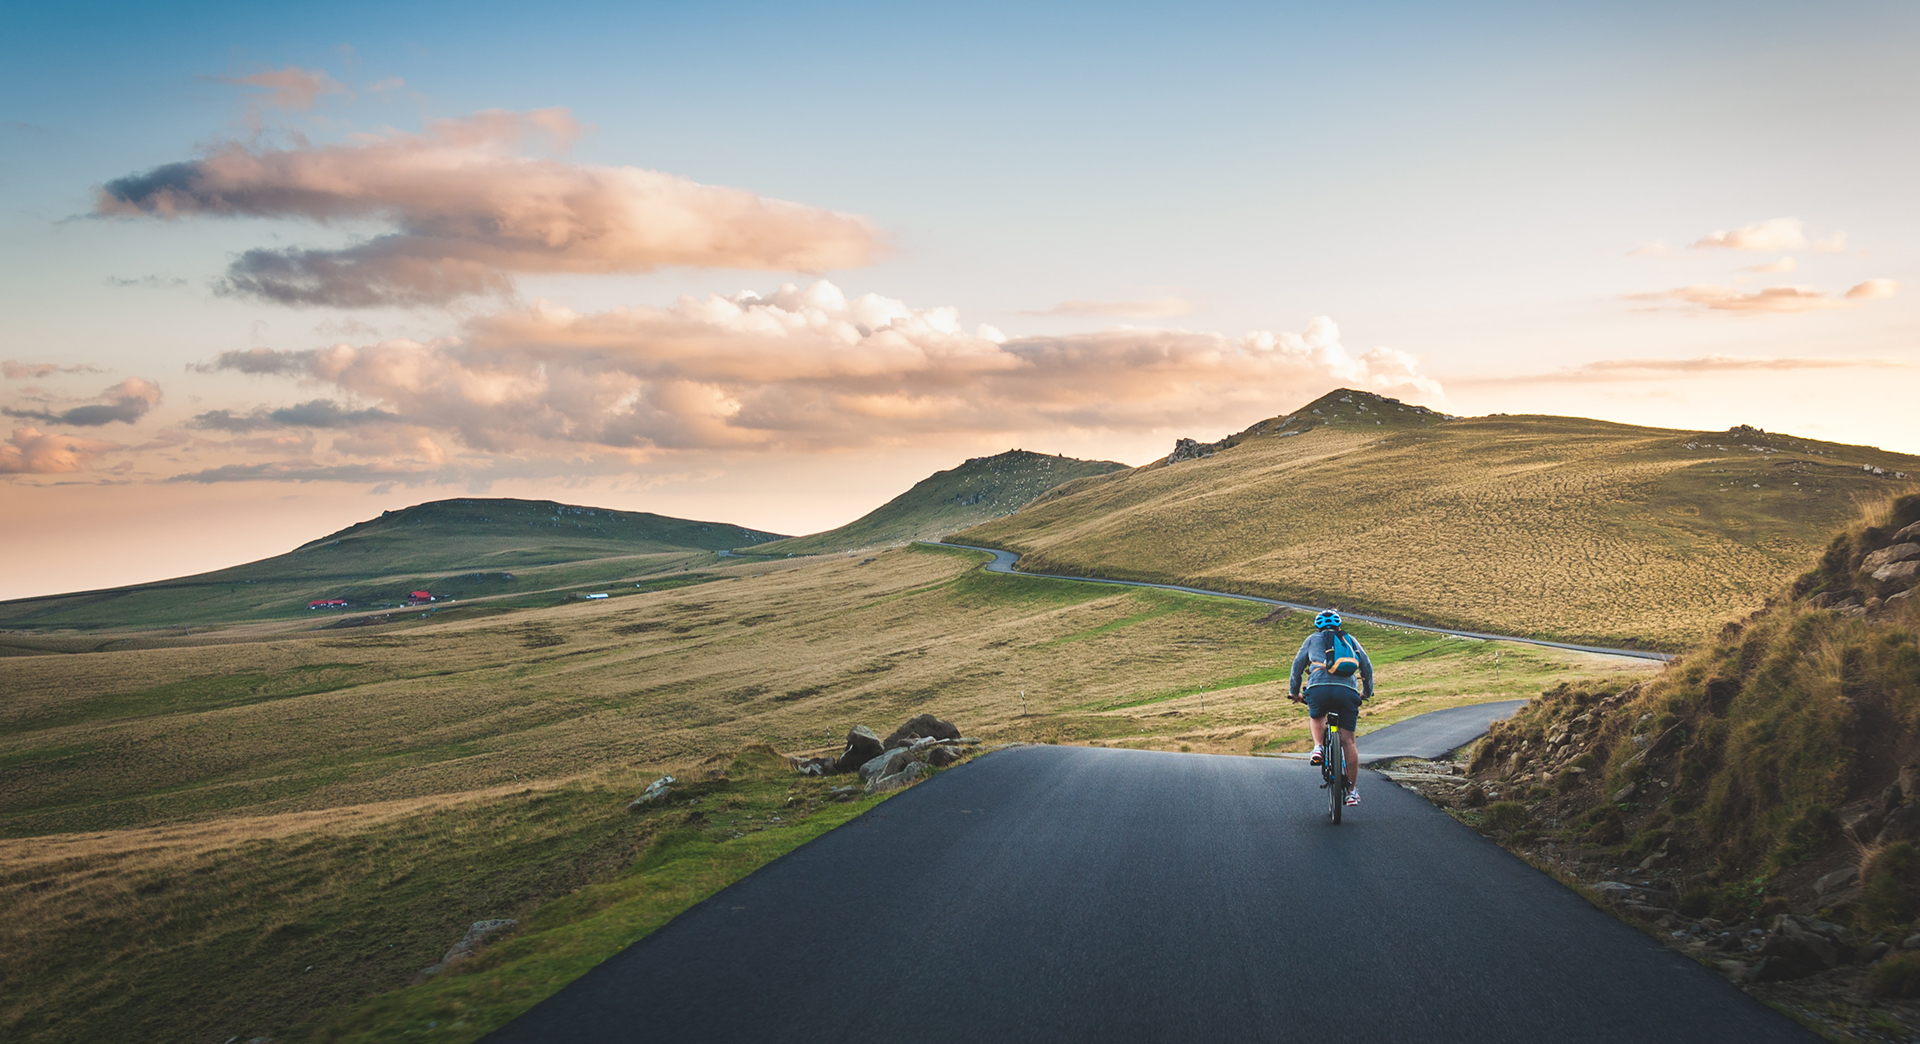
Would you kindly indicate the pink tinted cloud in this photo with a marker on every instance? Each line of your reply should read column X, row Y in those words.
column 468, row 209
column 125, row 403
column 19, row 371
column 1773, row 300
column 30, row 452
column 813, row 370
column 290, row 88
column 1775, row 234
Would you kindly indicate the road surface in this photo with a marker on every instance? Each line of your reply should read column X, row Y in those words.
column 1004, row 561
column 1434, row 733
column 1082, row 894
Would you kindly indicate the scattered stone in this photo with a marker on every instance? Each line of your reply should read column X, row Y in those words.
column 843, row 793
column 1866, row 826
column 657, row 792
column 1625, row 794
column 1801, row 946
column 1902, row 824
column 1911, row 942
column 1474, row 796
column 862, row 746
column 1840, row 879
column 920, row 727
column 1871, row 952
column 1738, row 971
column 469, row 945
column 1911, row 533
column 914, row 770
column 1899, row 572
column 1888, row 555
column 942, row 756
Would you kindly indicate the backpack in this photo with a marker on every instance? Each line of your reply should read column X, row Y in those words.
column 1342, row 658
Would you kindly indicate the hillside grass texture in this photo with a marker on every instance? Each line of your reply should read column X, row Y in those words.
column 269, row 837
column 498, row 550
column 946, row 501
column 1548, row 527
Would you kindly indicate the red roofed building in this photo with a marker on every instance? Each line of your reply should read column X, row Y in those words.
column 418, row 597
column 327, row 603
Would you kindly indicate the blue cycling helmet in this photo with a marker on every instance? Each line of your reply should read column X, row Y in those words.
column 1327, row 618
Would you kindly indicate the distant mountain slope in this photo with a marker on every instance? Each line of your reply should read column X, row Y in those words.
column 981, row 489
column 1551, row 526
column 460, row 548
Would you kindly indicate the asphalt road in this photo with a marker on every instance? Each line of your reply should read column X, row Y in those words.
column 1434, row 733
column 1080, row 894
column 1004, row 562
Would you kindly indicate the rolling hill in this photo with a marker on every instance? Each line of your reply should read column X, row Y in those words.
column 1557, row 527
column 462, row 548
column 983, row 488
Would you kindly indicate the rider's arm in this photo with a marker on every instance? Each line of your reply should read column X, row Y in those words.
column 1299, row 668
column 1366, row 672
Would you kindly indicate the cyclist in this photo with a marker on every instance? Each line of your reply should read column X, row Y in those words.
column 1330, row 692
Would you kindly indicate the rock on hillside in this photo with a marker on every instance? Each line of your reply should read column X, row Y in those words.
column 983, row 488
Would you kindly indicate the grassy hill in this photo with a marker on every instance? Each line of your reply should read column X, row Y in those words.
column 271, row 838
column 463, row 549
column 1548, row 526
column 983, row 488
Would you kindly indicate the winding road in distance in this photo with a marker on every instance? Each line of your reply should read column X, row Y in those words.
column 1004, row 562
column 1082, row 894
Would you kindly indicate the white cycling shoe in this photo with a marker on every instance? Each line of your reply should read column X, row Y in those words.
column 1319, row 755
column 1353, row 797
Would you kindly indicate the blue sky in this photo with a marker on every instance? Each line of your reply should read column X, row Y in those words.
column 1507, row 196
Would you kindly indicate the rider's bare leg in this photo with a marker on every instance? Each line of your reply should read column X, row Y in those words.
column 1318, row 726
column 1353, row 757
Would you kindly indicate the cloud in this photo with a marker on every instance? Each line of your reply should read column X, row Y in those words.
column 466, row 211
column 125, row 403
column 151, row 281
column 317, row 413
column 1152, row 308
column 811, row 369
column 1776, row 234
column 19, row 371
column 1785, row 264
column 29, row 452
column 1604, row 370
column 1873, row 288
column 1770, row 300
column 290, row 88
column 297, row 471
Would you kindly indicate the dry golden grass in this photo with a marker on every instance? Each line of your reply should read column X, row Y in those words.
column 1542, row 526
column 221, row 817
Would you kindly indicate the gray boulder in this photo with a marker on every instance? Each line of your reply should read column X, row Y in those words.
column 886, row 764
column 921, row 726
column 941, row 756
column 1801, row 946
column 656, row 793
column 1911, row 533
column 1889, row 555
column 894, row 781
column 1902, row 824
column 469, row 945
column 1839, row 879
column 1898, row 572
column 862, row 746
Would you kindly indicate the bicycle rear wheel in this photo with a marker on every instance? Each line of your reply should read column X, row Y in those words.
column 1336, row 761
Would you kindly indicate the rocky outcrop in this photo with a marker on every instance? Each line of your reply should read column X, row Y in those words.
column 656, row 793
column 1189, row 449
column 920, row 726
column 925, row 742
column 481, row 933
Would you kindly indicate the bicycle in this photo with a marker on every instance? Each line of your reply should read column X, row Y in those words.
column 1333, row 769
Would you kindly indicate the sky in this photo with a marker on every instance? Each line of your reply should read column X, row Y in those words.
column 268, row 271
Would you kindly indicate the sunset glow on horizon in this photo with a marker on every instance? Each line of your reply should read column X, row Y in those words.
column 270, row 273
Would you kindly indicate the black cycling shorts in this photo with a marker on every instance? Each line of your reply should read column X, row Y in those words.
column 1336, row 700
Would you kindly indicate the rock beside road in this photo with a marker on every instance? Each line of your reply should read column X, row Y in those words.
column 657, row 792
